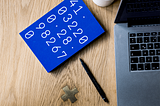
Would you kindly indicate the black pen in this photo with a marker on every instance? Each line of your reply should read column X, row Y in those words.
column 98, row 87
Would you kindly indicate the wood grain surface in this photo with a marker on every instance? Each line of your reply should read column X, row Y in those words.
column 24, row 81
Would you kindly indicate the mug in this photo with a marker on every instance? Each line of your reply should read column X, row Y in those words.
column 103, row 3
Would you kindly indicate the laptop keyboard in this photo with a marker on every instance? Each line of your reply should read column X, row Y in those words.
column 143, row 6
column 144, row 51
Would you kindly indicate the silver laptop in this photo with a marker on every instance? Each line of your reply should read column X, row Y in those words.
column 137, row 53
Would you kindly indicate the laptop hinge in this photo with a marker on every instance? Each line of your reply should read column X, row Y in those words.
column 143, row 21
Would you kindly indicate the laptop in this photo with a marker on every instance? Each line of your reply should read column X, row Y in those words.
column 137, row 53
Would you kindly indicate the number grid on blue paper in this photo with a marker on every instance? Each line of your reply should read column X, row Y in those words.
column 61, row 33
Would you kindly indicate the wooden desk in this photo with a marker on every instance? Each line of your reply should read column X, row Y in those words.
column 23, row 80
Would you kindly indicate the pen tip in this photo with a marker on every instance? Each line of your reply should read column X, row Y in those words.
column 106, row 100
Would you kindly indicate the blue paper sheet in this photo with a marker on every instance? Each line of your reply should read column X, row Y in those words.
column 61, row 33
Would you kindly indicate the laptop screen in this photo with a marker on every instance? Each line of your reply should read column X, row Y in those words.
column 137, row 9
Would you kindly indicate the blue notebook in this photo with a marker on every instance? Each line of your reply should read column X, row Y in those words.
column 61, row 33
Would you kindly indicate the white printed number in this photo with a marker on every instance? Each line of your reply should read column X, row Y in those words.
column 41, row 26
column 66, row 20
column 74, row 24
column 45, row 34
column 76, row 11
column 29, row 34
column 67, row 40
column 62, row 10
column 55, row 49
column 51, row 18
column 64, row 54
column 63, row 32
column 79, row 31
column 72, row 4
column 52, row 40
column 83, row 39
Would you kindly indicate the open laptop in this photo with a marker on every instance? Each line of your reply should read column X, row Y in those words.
column 137, row 53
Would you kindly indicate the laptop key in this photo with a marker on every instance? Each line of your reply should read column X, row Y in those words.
column 156, row 4
column 138, row 10
column 132, row 40
column 139, row 40
column 152, row 52
column 145, row 53
column 158, row 38
column 147, row 34
column 133, row 67
column 140, row 67
column 157, row 45
column 142, row 59
column 145, row 0
column 135, row 53
column 147, row 66
column 157, row 9
column 134, row 47
column 146, row 39
column 143, row 46
column 157, row 52
column 148, row 59
column 129, row 6
column 151, row 9
column 150, row 46
column 156, row 59
column 144, row 9
column 130, row 10
column 155, row 66
column 139, row 0
column 139, row 34
column 150, row 4
column 143, row 5
column 137, row 5
column 132, row 35
column 153, row 39
column 154, row 33
column 134, row 60
column 130, row 1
